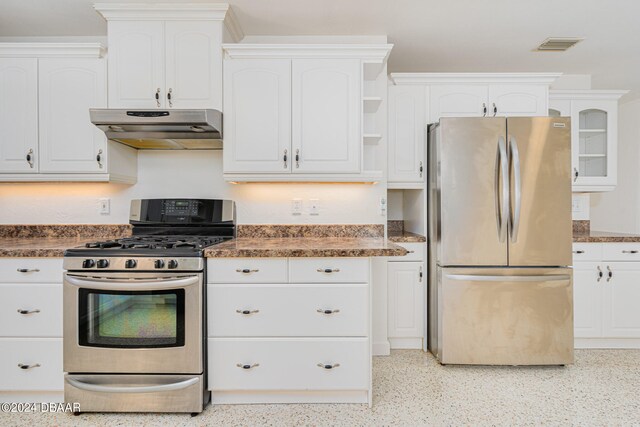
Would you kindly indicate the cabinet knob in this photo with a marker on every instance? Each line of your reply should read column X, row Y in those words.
column 327, row 366
column 246, row 366
column 247, row 312
column 321, row 311
column 169, row 97
column 21, row 311
column 30, row 157
column 26, row 367
column 158, row 97
column 99, row 158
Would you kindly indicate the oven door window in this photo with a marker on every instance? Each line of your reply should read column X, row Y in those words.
column 131, row 319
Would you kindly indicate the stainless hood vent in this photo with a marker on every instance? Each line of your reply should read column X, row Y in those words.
column 161, row 129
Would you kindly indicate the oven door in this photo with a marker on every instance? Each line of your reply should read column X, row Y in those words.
column 142, row 323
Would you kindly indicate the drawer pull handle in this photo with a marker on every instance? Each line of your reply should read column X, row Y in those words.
column 328, row 367
column 609, row 274
column 28, row 270
column 247, row 367
column 328, row 270
column 600, row 274
column 247, row 312
column 630, row 252
column 321, row 311
column 21, row 311
column 25, row 367
column 578, row 252
column 411, row 252
column 246, row 270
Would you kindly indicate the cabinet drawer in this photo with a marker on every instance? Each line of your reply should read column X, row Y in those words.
column 329, row 270
column 288, row 364
column 288, row 310
column 247, row 270
column 587, row 252
column 44, row 301
column 45, row 352
column 415, row 252
column 36, row 270
column 621, row 251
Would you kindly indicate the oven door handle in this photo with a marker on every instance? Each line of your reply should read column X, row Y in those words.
column 110, row 284
column 134, row 389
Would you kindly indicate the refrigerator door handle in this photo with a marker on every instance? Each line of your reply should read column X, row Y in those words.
column 517, row 190
column 496, row 278
column 502, row 200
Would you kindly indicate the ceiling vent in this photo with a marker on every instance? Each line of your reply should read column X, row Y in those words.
column 558, row 44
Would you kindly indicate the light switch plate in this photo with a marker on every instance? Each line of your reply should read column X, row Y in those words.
column 296, row 207
column 104, row 206
column 314, row 206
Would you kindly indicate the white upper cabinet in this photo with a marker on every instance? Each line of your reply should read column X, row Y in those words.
column 136, row 64
column 257, row 119
column 594, row 136
column 407, row 132
column 326, row 115
column 518, row 100
column 192, row 78
column 458, row 100
column 19, row 115
column 69, row 142
column 167, row 55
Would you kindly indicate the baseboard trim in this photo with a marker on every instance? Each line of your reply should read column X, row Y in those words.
column 382, row 348
column 406, row 343
column 604, row 343
column 259, row 397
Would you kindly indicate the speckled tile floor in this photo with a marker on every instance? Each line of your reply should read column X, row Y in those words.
column 410, row 388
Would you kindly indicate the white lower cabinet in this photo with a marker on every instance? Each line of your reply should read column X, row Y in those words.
column 303, row 339
column 30, row 329
column 607, row 296
column 406, row 284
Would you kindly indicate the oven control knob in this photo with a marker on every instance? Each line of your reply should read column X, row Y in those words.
column 88, row 263
column 130, row 263
column 173, row 264
column 158, row 263
column 102, row 263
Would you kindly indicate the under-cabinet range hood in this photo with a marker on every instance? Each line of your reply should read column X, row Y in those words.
column 161, row 129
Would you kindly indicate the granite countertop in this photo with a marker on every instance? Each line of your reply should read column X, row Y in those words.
column 405, row 237
column 39, row 247
column 604, row 237
column 305, row 247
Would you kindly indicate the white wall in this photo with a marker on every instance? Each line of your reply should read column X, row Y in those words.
column 619, row 210
column 187, row 174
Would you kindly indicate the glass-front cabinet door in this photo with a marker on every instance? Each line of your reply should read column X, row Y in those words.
column 594, row 126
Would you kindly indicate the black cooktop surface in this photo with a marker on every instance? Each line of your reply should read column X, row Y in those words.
column 148, row 245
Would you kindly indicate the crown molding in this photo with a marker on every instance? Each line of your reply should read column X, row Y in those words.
column 51, row 50
column 162, row 11
column 570, row 94
column 480, row 78
column 375, row 53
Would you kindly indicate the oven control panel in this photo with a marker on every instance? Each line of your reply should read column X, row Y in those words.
column 134, row 264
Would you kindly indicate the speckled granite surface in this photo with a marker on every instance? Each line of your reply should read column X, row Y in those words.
column 411, row 389
column 605, row 237
column 50, row 240
column 305, row 247
column 405, row 237
column 581, row 226
column 309, row 230
column 394, row 225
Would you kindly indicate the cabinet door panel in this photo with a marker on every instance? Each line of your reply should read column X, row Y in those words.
column 326, row 115
column 407, row 129
column 257, row 119
column 587, row 300
column 518, row 100
column 136, row 64
column 69, row 142
column 458, row 101
column 406, row 299
column 621, row 314
column 193, row 61
column 18, row 114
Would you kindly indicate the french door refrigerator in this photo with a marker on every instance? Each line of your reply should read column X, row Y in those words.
column 500, row 233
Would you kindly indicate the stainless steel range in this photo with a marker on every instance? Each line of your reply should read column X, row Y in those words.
column 134, row 319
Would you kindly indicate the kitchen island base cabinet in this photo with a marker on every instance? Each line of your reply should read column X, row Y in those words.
column 289, row 330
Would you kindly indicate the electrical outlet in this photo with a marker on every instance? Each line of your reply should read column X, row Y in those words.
column 296, row 207
column 314, row 206
column 104, row 206
column 383, row 206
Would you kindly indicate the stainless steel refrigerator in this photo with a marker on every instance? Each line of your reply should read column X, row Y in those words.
column 500, row 235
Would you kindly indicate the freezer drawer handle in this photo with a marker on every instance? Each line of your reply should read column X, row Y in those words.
column 600, row 274
column 483, row 278
column 27, row 367
column 327, row 367
column 321, row 311
column 247, row 367
column 134, row 389
column 247, row 312
column 630, row 252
